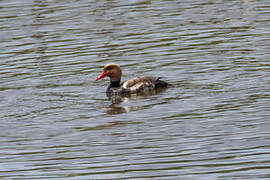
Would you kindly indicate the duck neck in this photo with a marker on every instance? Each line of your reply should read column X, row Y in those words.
column 114, row 84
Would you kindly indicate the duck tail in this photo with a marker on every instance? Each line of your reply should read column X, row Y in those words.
column 159, row 83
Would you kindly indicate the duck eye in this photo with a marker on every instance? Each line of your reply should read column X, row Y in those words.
column 109, row 68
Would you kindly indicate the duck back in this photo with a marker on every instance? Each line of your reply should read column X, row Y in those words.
column 143, row 84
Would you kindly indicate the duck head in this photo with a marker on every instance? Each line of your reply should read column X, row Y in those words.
column 113, row 71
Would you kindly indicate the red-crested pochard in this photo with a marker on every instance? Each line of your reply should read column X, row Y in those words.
column 135, row 85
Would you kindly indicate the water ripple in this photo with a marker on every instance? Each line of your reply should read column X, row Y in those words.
column 56, row 122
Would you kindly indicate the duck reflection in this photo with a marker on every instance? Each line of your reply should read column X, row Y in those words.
column 124, row 104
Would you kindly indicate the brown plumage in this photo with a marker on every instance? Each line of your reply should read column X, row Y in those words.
column 135, row 85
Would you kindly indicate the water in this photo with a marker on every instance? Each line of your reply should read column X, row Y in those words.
column 56, row 122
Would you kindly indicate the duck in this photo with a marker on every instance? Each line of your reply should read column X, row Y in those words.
column 132, row 86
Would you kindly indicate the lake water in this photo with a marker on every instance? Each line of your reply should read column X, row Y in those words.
column 213, row 123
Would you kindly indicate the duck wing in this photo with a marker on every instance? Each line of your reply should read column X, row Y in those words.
column 142, row 84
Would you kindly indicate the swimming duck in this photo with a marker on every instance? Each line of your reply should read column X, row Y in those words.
column 135, row 85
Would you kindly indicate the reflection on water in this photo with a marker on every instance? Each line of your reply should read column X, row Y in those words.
column 127, row 103
column 117, row 99
column 211, row 124
column 116, row 108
